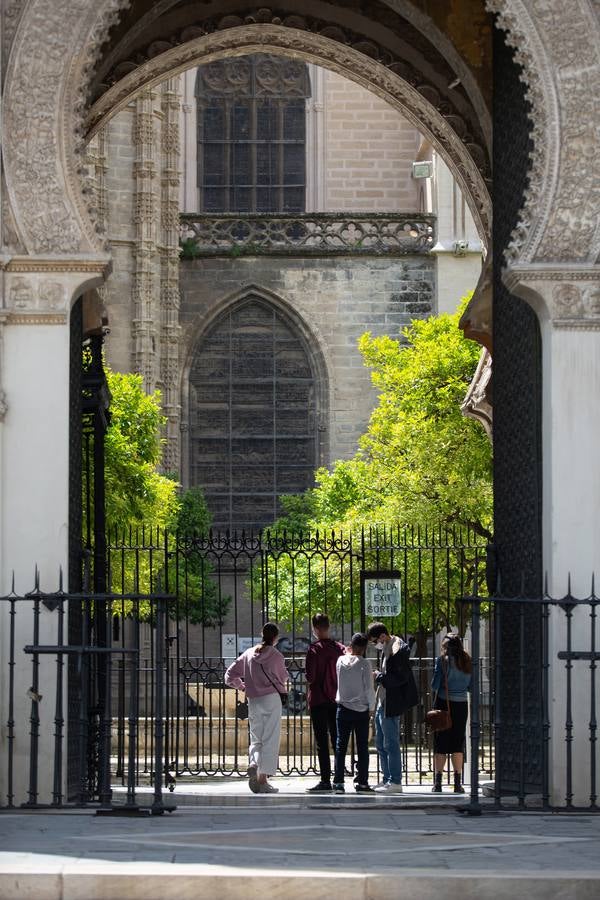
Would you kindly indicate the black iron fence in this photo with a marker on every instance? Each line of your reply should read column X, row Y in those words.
column 151, row 652
column 226, row 586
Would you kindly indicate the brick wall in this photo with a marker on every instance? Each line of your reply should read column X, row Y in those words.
column 369, row 151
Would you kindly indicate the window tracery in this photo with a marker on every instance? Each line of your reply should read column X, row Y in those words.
column 252, row 134
column 253, row 418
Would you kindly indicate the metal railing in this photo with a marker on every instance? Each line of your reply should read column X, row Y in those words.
column 153, row 709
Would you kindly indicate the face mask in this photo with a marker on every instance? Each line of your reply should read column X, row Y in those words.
column 380, row 645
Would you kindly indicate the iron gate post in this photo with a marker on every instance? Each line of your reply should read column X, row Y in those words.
column 474, row 807
column 158, row 807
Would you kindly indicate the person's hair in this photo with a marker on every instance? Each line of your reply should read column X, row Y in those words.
column 452, row 648
column 269, row 633
column 375, row 630
column 320, row 620
column 359, row 641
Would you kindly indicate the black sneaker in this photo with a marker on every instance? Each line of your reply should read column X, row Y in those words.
column 323, row 787
column 339, row 789
column 363, row 789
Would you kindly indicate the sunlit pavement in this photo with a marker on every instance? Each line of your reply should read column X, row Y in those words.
column 225, row 842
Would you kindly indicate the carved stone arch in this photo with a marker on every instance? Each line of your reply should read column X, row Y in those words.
column 313, row 348
column 558, row 47
column 45, row 105
column 53, row 53
column 327, row 53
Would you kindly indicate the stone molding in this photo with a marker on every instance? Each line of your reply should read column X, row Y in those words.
column 53, row 53
column 476, row 404
column 56, row 44
column 330, row 54
column 571, row 295
column 558, row 46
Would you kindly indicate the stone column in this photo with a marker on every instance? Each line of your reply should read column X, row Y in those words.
column 568, row 306
column 34, row 504
column 170, row 330
column 146, row 276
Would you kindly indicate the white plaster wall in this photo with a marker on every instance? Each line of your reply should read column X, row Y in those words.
column 34, row 515
column 571, row 530
column 456, row 274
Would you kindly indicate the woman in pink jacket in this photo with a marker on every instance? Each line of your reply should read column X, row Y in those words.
column 262, row 674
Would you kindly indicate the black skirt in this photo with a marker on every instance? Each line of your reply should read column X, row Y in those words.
column 452, row 740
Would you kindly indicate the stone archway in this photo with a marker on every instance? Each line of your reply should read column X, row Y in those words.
column 51, row 248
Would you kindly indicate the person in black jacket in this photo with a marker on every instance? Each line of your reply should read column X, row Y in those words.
column 396, row 692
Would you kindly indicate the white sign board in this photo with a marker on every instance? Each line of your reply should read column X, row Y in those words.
column 229, row 646
column 383, row 596
column 244, row 643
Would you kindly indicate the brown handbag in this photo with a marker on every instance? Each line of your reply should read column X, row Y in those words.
column 440, row 719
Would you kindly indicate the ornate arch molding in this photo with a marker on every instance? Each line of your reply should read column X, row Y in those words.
column 558, row 46
column 54, row 51
column 325, row 52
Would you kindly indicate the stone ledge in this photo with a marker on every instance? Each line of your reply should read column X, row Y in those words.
column 94, row 880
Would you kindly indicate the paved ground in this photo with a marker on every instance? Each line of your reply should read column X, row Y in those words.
column 225, row 842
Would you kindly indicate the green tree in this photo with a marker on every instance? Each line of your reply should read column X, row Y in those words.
column 136, row 492
column 142, row 504
column 419, row 461
column 199, row 595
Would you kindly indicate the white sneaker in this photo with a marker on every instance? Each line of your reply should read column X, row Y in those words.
column 389, row 788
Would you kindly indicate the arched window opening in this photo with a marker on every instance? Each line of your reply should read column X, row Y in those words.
column 252, row 134
column 253, row 415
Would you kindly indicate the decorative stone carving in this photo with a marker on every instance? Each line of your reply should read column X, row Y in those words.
column 146, row 281
column 558, row 46
column 51, row 295
column 568, row 302
column 170, row 334
column 307, row 233
column 438, row 125
column 21, row 294
column 45, row 95
column 476, row 404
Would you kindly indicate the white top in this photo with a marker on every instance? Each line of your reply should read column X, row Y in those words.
column 355, row 683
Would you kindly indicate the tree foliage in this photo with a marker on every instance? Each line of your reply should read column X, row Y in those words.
column 419, row 461
column 141, row 503
column 136, row 492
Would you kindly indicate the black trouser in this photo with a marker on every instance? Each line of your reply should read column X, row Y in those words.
column 348, row 721
column 324, row 728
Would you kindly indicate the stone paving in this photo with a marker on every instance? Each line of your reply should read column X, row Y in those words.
column 223, row 841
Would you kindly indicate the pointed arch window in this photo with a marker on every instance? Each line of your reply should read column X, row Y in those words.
column 252, row 134
column 253, row 416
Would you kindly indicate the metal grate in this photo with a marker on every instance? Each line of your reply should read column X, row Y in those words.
column 517, row 436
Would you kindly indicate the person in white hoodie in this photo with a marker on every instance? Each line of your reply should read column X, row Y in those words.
column 262, row 674
column 355, row 698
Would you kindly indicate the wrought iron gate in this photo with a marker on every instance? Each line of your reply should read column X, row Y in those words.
column 226, row 586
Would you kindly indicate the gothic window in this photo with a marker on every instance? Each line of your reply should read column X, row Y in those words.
column 252, row 415
column 251, row 134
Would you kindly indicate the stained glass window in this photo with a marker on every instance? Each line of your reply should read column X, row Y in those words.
column 252, row 416
column 252, row 134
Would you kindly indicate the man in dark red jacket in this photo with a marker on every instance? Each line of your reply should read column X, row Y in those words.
column 321, row 658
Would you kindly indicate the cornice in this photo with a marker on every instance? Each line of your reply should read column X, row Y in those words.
column 540, row 272
column 57, row 264
column 37, row 318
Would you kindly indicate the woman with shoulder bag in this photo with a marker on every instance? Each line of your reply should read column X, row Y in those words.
column 261, row 673
column 451, row 683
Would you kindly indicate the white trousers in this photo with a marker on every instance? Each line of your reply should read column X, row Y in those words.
column 264, row 716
